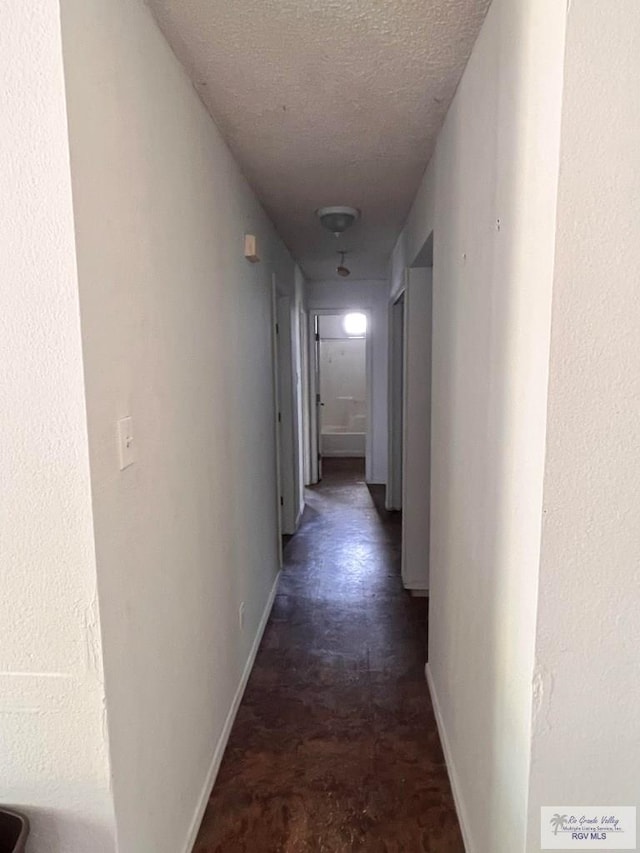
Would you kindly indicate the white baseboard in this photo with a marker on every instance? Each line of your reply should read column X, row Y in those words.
column 228, row 724
column 451, row 770
column 416, row 587
column 418, row 593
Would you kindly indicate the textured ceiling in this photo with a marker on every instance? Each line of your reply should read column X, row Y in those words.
column 326, row 102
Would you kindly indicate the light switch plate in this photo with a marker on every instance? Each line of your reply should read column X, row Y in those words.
column 126, row 445
column 251, row 248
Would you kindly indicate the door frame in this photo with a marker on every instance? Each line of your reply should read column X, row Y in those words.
column 275, row 361
column 289, row 464
column 314, row 437
column 396, row 398
column 305, row 396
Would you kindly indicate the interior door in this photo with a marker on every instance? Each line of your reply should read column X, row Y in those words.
column 306, row 391
column 319, row 403
column 276, row 411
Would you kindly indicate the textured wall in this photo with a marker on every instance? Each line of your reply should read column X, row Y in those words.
column 587, row 725
column 53, row 749
column 177, row 334
column 494, row 176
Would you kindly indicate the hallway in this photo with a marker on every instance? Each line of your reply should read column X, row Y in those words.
column 335, row 747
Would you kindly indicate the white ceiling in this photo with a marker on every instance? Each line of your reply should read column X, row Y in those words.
column 328, row 102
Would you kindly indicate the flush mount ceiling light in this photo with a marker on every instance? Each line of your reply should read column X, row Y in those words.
column 337, row 218
column 341, row 269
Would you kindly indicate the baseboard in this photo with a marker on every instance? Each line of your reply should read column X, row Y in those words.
column 451, row 770
column 228, row 724
column 342, row 454
column 300, row 514
column 416, row 588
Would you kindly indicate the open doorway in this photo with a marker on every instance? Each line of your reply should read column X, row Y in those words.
column 416, row 432
column 409, row 416
column 341, row 379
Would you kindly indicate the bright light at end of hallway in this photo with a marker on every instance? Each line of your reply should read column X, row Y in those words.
column 355, row 325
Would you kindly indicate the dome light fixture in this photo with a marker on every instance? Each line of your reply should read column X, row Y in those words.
column 337, row 218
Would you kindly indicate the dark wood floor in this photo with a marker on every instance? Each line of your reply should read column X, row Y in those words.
column 335, row 746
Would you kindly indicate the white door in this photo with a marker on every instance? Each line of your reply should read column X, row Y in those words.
column 315, row 399
column 319, row 403
column 276, row 411
column 306, row 407
column 288, row 438
column 416, row 472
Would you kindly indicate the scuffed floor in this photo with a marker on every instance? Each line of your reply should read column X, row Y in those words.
column 335, row 746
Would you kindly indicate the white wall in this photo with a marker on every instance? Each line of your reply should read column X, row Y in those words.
column 587, row 726
column 416, row 231
column 371, row 296
column 343, row 383
column 54, row 760
column 176, row 332
column 489, row 195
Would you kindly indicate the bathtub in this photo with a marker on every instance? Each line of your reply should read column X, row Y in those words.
column 342, row 441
